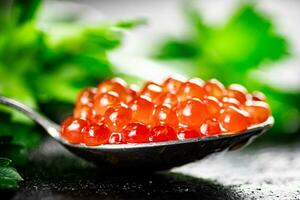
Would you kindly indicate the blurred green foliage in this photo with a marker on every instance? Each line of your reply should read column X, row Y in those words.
column 8, row 175
column 16, row 139
column 233, row 52
column 37, row 67
column 40, row 69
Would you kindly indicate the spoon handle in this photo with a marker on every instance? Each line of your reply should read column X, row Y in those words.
column 51, row 127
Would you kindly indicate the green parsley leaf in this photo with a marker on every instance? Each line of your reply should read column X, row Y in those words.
column 9, row 177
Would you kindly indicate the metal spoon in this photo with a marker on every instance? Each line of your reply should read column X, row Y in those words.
column 146, row 156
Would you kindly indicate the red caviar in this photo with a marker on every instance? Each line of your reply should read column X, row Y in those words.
column 185, row 133
column 189, row 90
column 136, row 133
column 164, row 114
column 114, row 113
column 163, row 133
column 96, row 134
column 192, row 112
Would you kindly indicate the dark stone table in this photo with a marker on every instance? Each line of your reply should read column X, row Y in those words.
column 263, row 171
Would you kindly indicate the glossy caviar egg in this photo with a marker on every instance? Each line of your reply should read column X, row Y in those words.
column 151, row 90
column 116, row 118
column 211, row 127
column 172, row 85
column 163, row 133
column 132, row 93
column 142, row 110
column 189, row 90
column 233, row 119
column 192, row 112
column 167, row 98
column 105, row 100
column 72, row 130
column 115, row 113
column 259, row 111
column 186, row 133
column 164, row 114
column 215, row 88
column 238, row 92
column 230, row 101
column 136, row 133
column 98, row 119
column 213, row 106
column 86, row 97
column 116, row 85
column 96, row 134
column 84, row 112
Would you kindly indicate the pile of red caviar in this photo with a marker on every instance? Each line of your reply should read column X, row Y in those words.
column 114, row 113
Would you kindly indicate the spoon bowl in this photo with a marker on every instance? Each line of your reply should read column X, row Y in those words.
column 147, row 156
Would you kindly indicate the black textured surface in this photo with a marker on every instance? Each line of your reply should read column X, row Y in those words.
column 258, row 172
